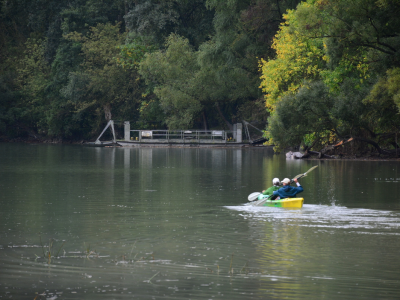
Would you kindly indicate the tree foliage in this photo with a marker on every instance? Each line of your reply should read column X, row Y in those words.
column 157, row 19
column 328, row 69
column 173, row 73
column 350, row 50
column 297, row 59
column 102, row 84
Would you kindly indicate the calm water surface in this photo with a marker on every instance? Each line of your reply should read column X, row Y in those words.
column 114, row 223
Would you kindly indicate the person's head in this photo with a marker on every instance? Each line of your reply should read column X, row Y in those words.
column 286, row 181
column 275, row 181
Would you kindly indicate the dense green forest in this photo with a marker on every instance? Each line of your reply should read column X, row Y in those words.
column 311, row 73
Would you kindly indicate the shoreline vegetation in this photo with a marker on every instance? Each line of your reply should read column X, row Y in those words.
column 339, row 154
column 310, row 74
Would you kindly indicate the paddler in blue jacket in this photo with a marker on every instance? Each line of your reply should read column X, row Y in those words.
column 287, row 191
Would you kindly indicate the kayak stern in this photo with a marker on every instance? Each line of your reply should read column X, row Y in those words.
column 287, row 202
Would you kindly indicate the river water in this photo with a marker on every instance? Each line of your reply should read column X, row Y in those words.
column 174, row 223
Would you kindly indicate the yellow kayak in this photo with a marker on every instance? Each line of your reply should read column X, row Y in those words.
column 287, row 202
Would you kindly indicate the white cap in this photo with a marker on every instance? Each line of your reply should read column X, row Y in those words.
column 286, row 180
column 275, row 181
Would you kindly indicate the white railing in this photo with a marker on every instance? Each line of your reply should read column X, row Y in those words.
column 181, row 134
column 220, row 136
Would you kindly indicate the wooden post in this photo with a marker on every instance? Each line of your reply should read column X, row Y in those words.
column 98, row 139
column 113, row 131
column 127, row 131
column 239, row 133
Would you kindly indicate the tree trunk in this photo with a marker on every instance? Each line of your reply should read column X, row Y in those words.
column 107, row 112
column 230, row 126
column 320, row 154
column 204, row 121
column 371, row 142
column 312, row 145
column 332, row 147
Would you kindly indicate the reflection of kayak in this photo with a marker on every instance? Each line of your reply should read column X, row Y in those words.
column 287, row 202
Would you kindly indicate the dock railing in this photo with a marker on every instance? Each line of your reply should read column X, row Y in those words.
column 183, row 136
column 141, row 135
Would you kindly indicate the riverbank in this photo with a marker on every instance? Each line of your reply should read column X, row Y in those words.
column 36, row 140
column 350, row 149
column 32, row 140
column 357, row 158
column 367, row 157
column 354, row 157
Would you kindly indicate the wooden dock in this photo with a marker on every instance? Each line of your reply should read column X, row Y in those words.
column 175, row 138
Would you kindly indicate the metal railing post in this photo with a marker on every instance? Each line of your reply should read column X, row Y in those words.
column 127, row 131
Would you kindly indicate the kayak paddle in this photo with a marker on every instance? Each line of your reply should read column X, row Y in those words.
column 301, row 175
column 304, row 174
column 253, row 196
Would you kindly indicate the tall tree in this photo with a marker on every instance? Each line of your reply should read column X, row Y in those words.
column 102, row 84
column 173, row 73
column 350, row 47
column 157, row 19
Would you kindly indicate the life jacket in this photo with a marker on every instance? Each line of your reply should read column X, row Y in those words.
column 288, row 191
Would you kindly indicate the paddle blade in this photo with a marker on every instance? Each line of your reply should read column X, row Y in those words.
column 298, row 176
column 253, row 196
column 304, row 174
column 310, row 170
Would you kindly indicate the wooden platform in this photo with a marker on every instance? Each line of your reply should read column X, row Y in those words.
column 180, row 143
